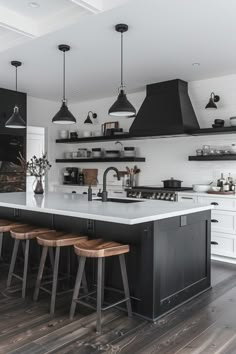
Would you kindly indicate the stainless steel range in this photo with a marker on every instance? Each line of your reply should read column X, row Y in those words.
column 155, row 192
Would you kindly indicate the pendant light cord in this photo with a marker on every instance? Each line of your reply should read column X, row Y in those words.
column 122, row 61
column 64, row 76
column 16, row 81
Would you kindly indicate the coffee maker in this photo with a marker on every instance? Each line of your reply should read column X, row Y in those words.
column 71, row 175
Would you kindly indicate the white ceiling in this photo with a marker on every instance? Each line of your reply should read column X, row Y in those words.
column 165, row 38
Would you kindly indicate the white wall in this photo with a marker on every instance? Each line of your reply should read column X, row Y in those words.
column 164, row 157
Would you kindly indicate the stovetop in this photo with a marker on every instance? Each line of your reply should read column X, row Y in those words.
column 156, row 192
column 161, row 188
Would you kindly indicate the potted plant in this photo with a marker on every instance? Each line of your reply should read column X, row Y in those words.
column 37, row 167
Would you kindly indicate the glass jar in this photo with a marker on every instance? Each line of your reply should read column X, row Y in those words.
column 199, row 152
column 206, row 149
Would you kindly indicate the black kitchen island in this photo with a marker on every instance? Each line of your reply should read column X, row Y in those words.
column 169, row 259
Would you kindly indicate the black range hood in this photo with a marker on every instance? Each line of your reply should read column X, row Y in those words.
column 166, row 110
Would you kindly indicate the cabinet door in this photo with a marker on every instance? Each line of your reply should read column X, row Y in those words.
column 224, row 244
column 187, row 198
column 219, row 203
column 223, row 221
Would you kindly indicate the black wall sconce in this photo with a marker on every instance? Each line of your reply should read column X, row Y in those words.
column 88, row 120
column 212, row 101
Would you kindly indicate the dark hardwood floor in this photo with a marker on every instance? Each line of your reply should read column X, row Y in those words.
column 205, row 325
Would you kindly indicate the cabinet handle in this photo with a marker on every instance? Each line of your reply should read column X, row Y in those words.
column 214, row 203
column 186, row 198
column 214, row 220
column 214, row 243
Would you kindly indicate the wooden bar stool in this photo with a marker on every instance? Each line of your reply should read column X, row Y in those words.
column 100, row 249
column 56, row 240
column 23, row 233
column 6, row 226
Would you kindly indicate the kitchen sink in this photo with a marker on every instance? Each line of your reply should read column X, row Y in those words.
column 117, row 200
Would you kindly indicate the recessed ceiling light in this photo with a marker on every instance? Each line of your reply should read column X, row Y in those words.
column 196, row 64
column 33, row 4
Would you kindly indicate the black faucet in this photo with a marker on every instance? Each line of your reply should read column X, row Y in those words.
column 104, row 191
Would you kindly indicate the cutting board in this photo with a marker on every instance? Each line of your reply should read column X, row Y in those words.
column 90, row 176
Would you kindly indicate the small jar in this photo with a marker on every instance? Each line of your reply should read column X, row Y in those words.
column 212, row 151
column 96, row 152
column 82, row 153
column 199, row 152
column 206, row 149
column 129, row 151
column 233, row 149
column 112, row 153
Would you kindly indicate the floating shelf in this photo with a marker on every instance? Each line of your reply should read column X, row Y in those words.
column 213, row 158
column 213, row 131
column 94, row 139
column 104, row 159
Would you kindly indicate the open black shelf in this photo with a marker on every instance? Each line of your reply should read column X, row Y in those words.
column 104, row 159
column 94, row 139
column 213, row 158
column 213, row 131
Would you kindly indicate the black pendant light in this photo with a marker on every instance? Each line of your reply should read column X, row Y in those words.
column 212, row 101
column 16, row 121
column 64, row 116
column 88, row 120
column 122, row 107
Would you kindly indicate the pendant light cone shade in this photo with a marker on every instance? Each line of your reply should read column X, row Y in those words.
column 211, row 104
column 64, row 116
column 16, row 121
column 88, row 120
column 122, row 107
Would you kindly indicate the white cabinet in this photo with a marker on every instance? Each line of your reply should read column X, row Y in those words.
column 223, row 223
column 224, row 244
column 219, row 203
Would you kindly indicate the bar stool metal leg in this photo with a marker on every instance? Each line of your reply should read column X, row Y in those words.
column 40, row 272
column 125, row 283
column 77, row 285
column 55, row 278
column 13, row 262
column 99, row 295
column 51, row 256
column 1, row 242
column 26, row 261
column 103, row 278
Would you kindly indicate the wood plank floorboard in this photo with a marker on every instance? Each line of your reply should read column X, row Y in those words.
column 205, row 325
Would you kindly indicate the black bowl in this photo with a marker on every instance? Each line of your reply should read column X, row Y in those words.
column 220, row 122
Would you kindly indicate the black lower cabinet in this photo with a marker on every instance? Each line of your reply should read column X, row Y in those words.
column 168, row 263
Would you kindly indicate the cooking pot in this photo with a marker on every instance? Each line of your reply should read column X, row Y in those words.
column 172, row 183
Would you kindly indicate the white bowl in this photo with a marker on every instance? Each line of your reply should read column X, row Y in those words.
column 215, row 189
column 86, row 134
column 233, row 121
column 201, row 188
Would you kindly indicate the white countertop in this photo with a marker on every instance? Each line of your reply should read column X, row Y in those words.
column 76, row 205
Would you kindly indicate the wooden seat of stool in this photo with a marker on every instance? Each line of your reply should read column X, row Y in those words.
column 28, row 232
column 7, row 225
column 99, row 248
column 59, row 239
